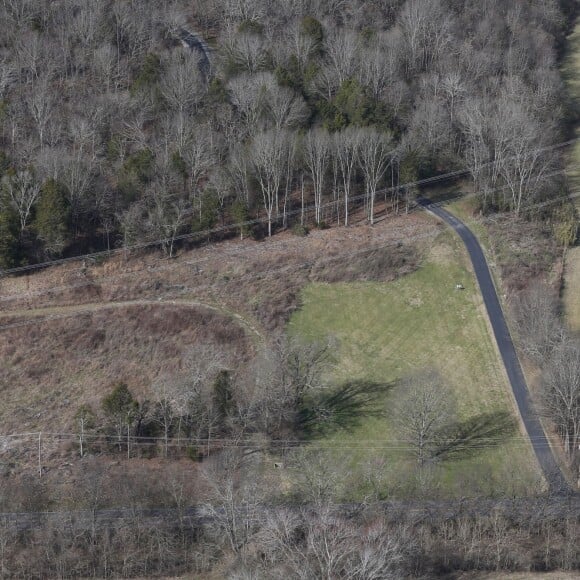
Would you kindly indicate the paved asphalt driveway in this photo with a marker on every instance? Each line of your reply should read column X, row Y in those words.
column 542, row 449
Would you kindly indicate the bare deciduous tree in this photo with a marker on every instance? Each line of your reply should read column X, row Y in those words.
column 285, row 108
column 425, row 408
column 165, row 411
column 41, row 102
column 426, row 27
column 166, row 217
column 192, row 392
column 245, row 50
column 377, row 66
column 317, row 150
column 476, row 152
column 375, row 156
column 248, row 98
column 540, row 331
column 23, row 190
column 561, row 394
column 233, row 499
column 346, row 145
column 523, row 166
column 244, row 10
column 183, row 85
column 342, row 53
column 274, row 386
column 268, row 155
column 199, row 154
column 7, row 76
column 323, row 544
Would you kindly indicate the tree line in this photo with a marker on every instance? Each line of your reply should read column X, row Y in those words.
column 111, row 132
column 547, row 342
column 236, row 535
column 276, row 395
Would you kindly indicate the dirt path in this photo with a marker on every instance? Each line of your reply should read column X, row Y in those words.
column 17, row 318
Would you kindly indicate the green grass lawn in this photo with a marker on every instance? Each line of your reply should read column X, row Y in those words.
column 387, row 330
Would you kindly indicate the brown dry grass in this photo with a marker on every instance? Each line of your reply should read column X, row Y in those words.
column 51, row 367
column 233, row 273
column 524, row 250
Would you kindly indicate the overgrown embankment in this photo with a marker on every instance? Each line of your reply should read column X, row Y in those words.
column 571, row 75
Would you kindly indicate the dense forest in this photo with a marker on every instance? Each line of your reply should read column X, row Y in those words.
column 379, row 542
column 116, row 129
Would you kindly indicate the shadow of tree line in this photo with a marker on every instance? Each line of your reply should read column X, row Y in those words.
column 345, row 407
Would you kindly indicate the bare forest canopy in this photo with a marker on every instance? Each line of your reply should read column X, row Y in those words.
column 115, row 129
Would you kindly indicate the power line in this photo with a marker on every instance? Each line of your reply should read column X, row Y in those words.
column 202, row 287
column 481, row 444
column 236, row 251
column 233, row 440
column 464, row 505
column 174, row 264
column 361, row 444
column 310, row 209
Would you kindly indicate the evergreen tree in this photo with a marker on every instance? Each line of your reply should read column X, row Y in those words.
column 52, row 218
column 241, row 215
column 9, row 233
column 121, row 409
column 209, row 212
column 223, row 395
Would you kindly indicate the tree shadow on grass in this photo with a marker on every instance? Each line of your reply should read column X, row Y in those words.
column 342, row 408
column 463, row 439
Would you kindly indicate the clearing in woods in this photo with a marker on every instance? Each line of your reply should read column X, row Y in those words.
column 571, row 74
column 388, row 330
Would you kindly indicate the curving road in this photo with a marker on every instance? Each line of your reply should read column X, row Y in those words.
column 197, row 44
column 552, row 472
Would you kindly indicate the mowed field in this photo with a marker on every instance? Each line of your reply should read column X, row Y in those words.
column 571, row 74
column 386, row 331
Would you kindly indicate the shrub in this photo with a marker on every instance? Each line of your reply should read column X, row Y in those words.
column 193, row 453
column 258, row 232
column 250, row 26
column 300, row 230
column 313, row 28
column 149, row 74
column 565, row 225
